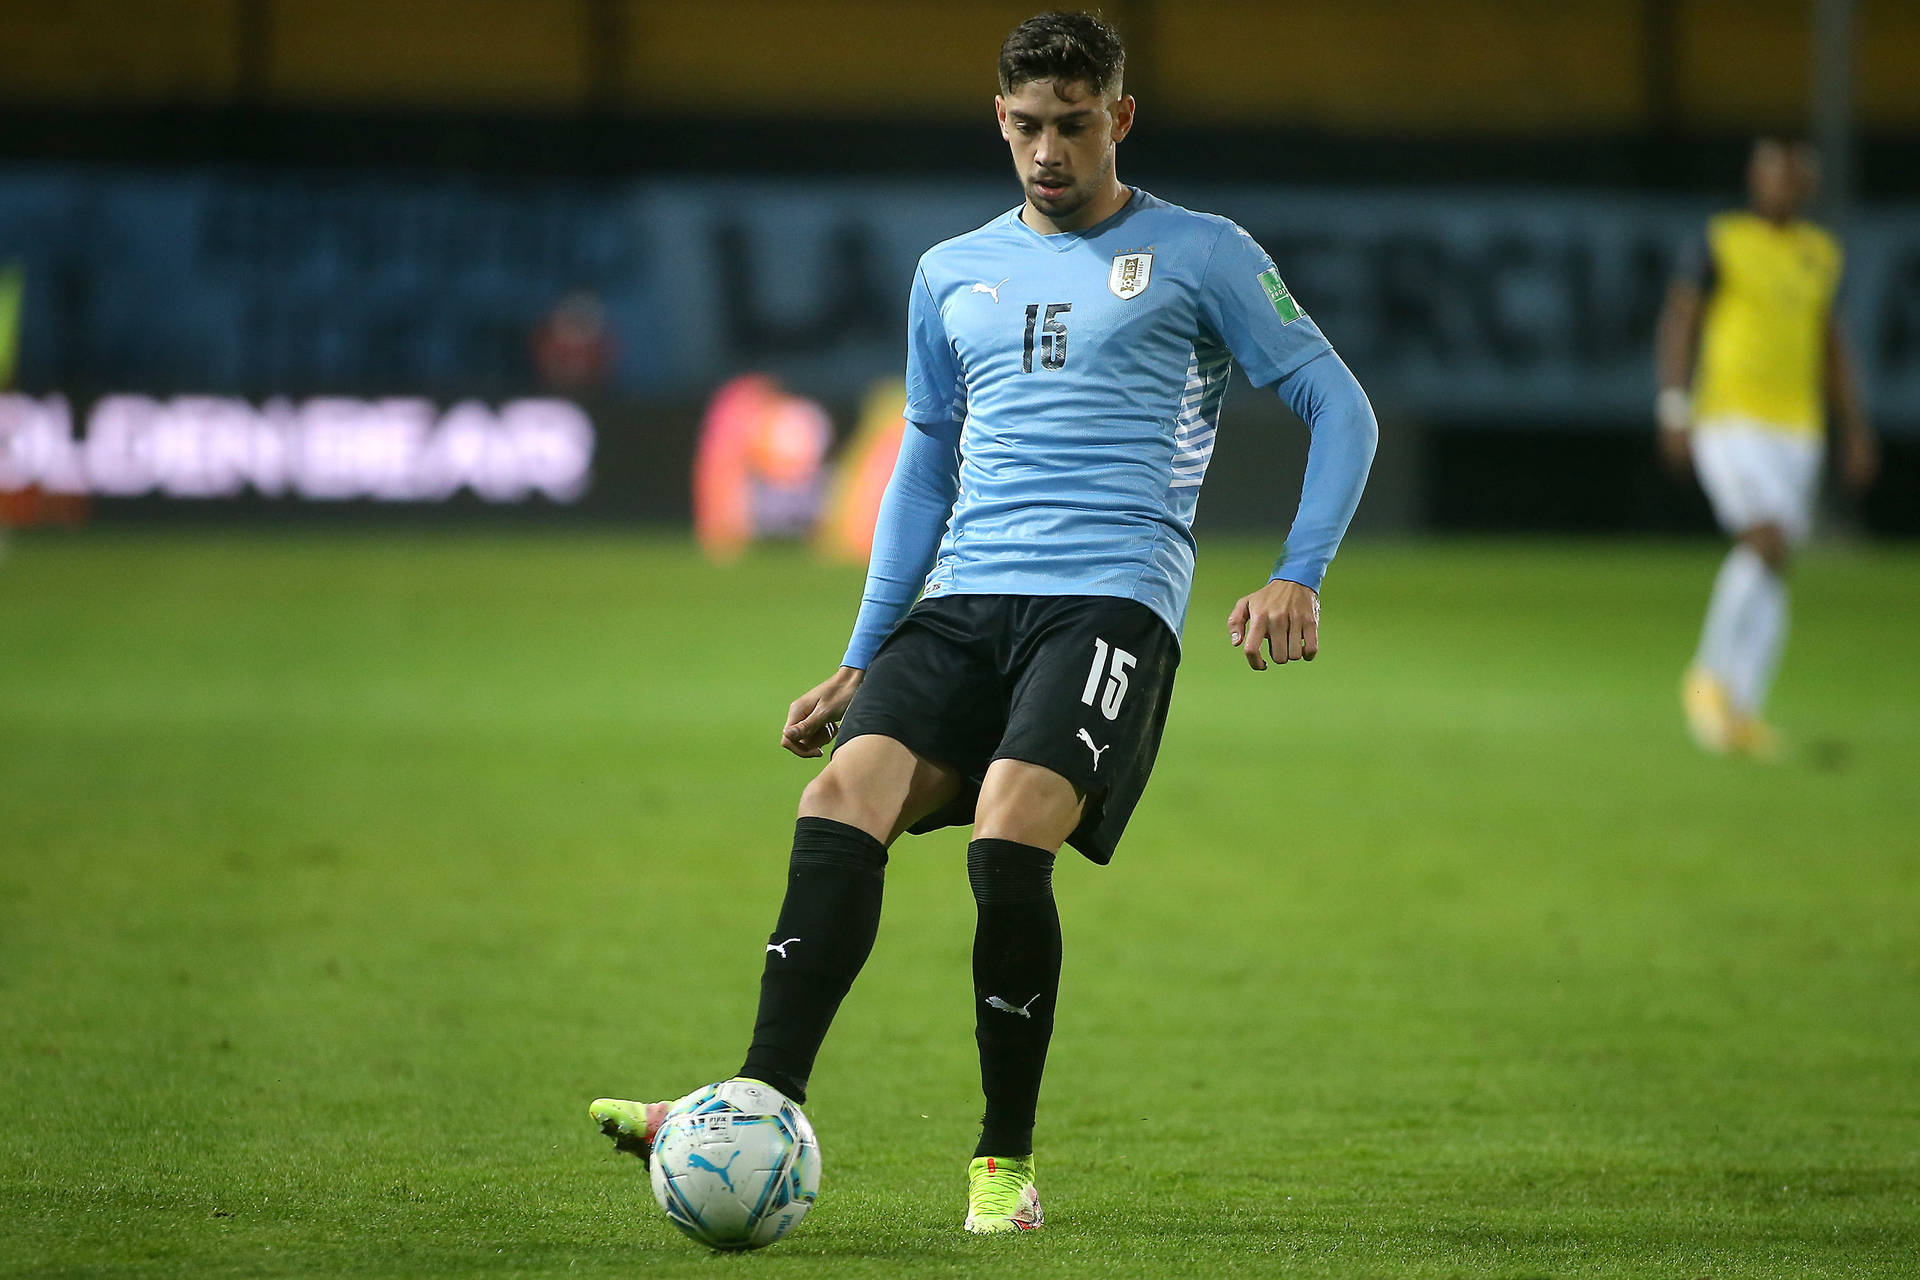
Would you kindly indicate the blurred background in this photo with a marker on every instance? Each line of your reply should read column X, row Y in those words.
column 437, row 259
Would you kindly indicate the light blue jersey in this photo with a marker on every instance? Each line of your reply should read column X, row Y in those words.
column 1063, row 394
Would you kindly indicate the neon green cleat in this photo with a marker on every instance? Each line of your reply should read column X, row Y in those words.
column 1001, row 1196
column 631, row 1125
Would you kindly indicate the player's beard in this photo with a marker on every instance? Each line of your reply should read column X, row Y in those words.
column 1076, row 197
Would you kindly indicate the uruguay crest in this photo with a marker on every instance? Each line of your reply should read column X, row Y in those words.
column 1131, row 272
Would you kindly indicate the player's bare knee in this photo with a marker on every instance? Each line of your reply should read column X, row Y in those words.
column 1028, row 804
column 822, row 797
column 833, row 795
column 1769, row 542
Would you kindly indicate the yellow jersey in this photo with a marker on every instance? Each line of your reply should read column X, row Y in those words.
column 1763, row 343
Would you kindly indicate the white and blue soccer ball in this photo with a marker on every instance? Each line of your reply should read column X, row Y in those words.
column 735, row 1165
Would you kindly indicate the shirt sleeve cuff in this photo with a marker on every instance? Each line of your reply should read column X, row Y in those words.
column 1306, row 574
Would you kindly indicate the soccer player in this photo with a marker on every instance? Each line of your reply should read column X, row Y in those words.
column 1750, row 326
column 1066, row 367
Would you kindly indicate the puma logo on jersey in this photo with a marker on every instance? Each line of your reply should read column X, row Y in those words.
column 991, row 290
column 995, row 1002
column 781, row 947
column 1097, row 751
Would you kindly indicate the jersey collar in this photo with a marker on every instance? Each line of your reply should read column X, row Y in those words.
column 1061, row 241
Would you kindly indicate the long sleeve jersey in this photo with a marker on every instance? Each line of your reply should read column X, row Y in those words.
column 1063, row 394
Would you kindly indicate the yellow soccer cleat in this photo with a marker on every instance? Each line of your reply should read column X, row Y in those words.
column 1757, row 740
column 1001, row 1196
column 1710, row 714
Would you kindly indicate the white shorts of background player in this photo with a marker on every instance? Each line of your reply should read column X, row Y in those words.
column 1757, row 474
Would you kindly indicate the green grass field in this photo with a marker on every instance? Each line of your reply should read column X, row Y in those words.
column 338, row 874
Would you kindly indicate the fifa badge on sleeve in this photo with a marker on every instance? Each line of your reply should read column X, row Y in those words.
column 1278, row 294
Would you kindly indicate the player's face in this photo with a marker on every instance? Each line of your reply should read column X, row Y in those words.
column 1781, row 178
column 1063, row 139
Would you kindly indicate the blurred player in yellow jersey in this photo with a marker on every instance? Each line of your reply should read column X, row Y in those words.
column 1750, row 354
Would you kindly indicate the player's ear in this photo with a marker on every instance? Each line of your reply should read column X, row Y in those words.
column 1000, row 112
column 1123, row 117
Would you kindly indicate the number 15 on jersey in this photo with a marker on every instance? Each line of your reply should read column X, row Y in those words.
column 1053, row 336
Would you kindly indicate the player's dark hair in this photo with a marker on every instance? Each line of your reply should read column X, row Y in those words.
column 1066, row 48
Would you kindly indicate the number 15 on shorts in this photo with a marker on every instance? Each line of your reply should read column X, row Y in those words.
column 1113, row 663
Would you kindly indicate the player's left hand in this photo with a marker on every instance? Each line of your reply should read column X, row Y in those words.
column 1285, row 615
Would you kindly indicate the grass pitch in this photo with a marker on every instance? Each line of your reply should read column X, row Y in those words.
column 338, row 874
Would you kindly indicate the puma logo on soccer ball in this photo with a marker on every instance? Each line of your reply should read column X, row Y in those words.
column 1097, row 751
column 995, row 1002
column 991, row 290
column 781, row 947
column 699, row 1161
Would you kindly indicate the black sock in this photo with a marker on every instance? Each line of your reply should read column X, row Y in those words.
column 826, row 930
column 1016, row 977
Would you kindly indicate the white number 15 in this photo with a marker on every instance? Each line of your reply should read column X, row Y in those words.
column 1116, row 691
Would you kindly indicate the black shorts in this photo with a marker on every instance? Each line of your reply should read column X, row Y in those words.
column 1077, row 684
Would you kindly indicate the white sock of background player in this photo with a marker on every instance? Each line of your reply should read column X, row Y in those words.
column 1728, row 610
column 1763, row 635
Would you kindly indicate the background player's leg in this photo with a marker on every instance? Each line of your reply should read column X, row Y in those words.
column 1762, row 631
column 873, row 789
column 1731, row 463
column 1741, row 577
column 1024, row 814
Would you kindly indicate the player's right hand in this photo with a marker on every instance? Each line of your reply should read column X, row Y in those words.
column 815, row 715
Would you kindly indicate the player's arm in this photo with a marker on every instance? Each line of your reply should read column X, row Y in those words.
column 1859, row 450
column 1676, row 343
column 1285, row 614
column 913, row 515
column 1245, row 303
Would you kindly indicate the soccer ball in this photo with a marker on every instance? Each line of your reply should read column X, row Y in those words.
column 735, row 1165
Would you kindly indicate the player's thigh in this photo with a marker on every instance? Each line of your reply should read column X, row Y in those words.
column 1789, row 484
column 1755, row 476
column 1089, row 699
column 935, row 685
column 1722, row 460
column 1027, row 803
column 934, row 693
column 879, row 785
